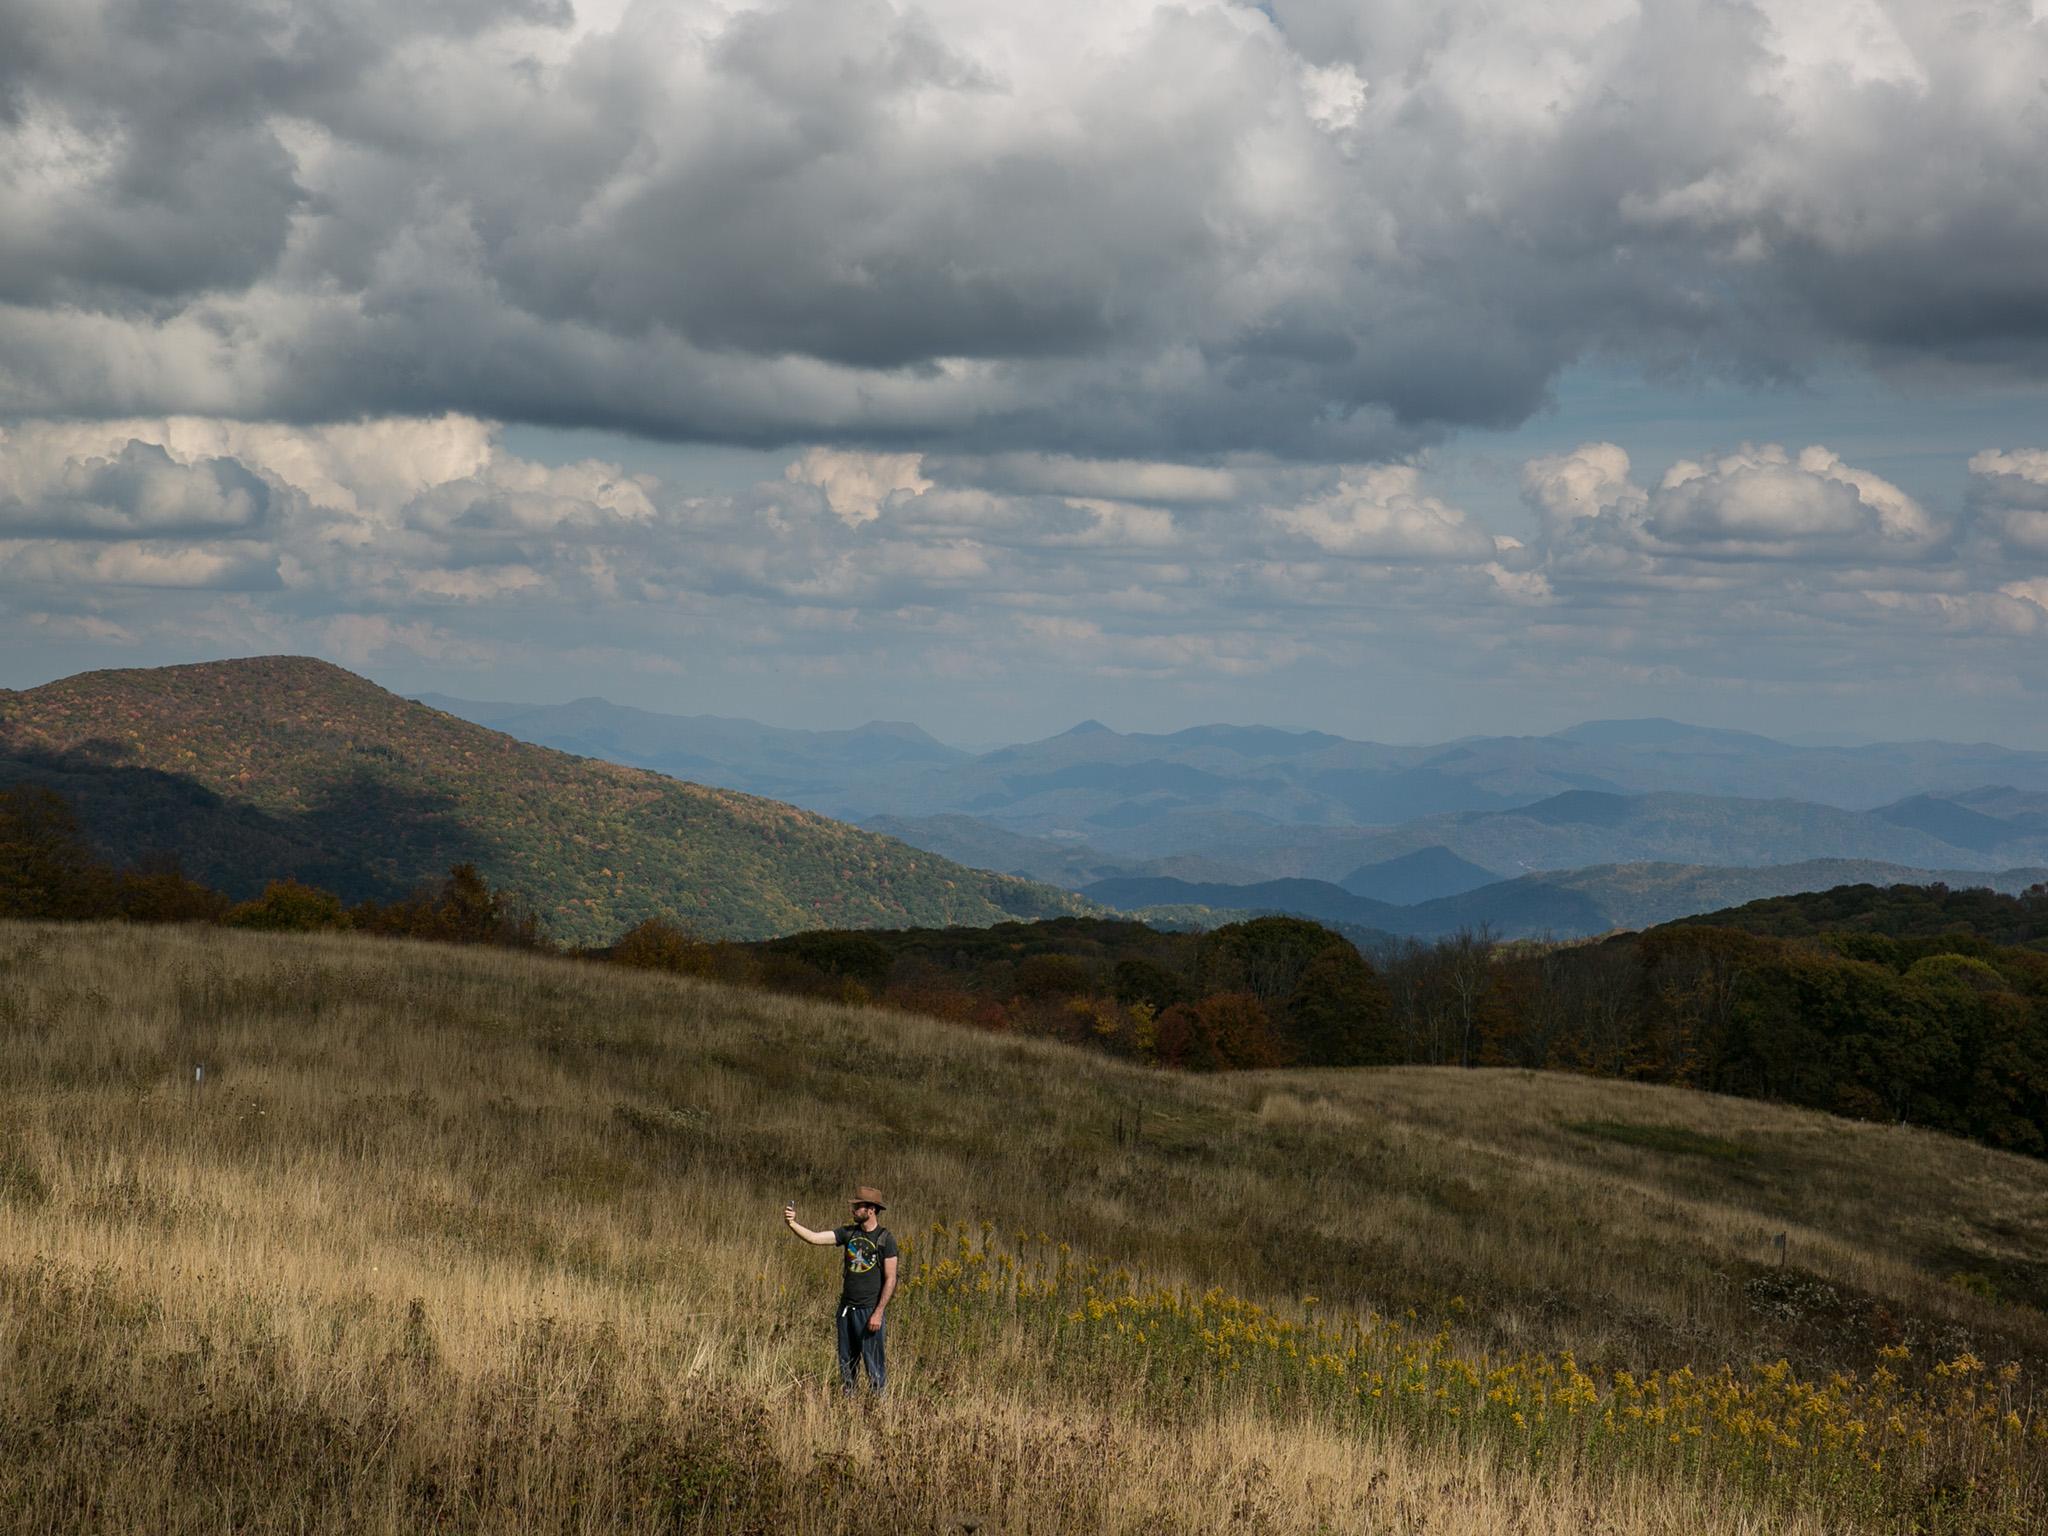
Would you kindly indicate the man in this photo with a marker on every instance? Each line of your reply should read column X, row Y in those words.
column 868, row 1280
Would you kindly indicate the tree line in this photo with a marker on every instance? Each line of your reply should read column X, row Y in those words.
column 1881, row 1004
column 48, row 872
column 1929, row 1024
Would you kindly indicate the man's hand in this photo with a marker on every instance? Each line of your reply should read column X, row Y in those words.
column 874, row 1322
column 789, row 1212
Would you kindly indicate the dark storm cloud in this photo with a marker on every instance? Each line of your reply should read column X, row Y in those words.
column 1116, row 229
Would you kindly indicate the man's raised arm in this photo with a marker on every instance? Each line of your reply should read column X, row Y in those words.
column 822, row 1239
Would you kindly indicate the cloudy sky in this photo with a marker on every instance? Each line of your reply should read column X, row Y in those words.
column 1401, row 369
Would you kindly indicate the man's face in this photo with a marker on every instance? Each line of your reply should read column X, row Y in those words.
column 862, row 1212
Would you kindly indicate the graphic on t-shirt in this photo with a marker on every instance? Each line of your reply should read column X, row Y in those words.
column 861, row 1255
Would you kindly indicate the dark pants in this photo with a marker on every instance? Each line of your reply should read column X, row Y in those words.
column 858, row 1347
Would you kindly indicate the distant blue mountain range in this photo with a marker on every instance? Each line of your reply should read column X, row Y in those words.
column 1403, row 826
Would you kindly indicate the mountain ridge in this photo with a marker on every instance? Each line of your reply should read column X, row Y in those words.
column 1559, row 904
column 1245, row 803
column 263, row 767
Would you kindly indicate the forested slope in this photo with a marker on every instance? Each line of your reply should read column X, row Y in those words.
column 253, row 770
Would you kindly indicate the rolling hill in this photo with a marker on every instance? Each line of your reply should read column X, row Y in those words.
column 1317, row 899
column 469, row 1241
column 1577, row 903
column 255, row 769
column 1561, row 904
column 1423, row 875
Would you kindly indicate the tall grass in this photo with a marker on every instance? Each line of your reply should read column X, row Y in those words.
column 312, row 1234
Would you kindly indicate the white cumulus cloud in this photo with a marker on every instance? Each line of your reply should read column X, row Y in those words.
column 1755, row 503
column 857, row 485
column 1381, row 512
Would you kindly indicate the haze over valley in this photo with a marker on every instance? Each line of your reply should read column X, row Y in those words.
column 1608, row 824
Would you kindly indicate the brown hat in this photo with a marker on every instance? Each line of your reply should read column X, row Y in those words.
column 867, row 1194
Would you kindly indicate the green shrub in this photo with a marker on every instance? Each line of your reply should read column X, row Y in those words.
column 286, row 906
column 657, row 944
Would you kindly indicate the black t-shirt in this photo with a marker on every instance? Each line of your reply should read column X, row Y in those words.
column 861, row 1284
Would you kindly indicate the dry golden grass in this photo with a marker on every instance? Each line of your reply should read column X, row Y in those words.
column 466, row 1240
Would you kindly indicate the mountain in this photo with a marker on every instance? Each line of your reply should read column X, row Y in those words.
column 1561, row 904
column 821, row 770
column 1580, row 902
column 1248, row 803
column 1296, row 778
column 272, row 766
column 1956, row 825
column 983, row 844
column 2026, row 810
column 1660, row 734
column 1316, row 899
column 1995, row 817
column 1654, row 756
column 1583, row 827
column 1422, row 875
column 1573, row 830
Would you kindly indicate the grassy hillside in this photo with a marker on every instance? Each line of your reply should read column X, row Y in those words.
column 474, row 1241
column 256, row 769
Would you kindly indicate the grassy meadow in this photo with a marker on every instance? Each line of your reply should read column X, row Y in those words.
column 472, row 1241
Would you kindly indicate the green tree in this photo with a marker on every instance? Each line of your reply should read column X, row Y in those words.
column 1046, row 977
column 46, row 871
column 1139, row 980
column 162, row 893
column 2003, row 1081
column 1338, row 1014
column 842, row 956
column 1265, row 957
